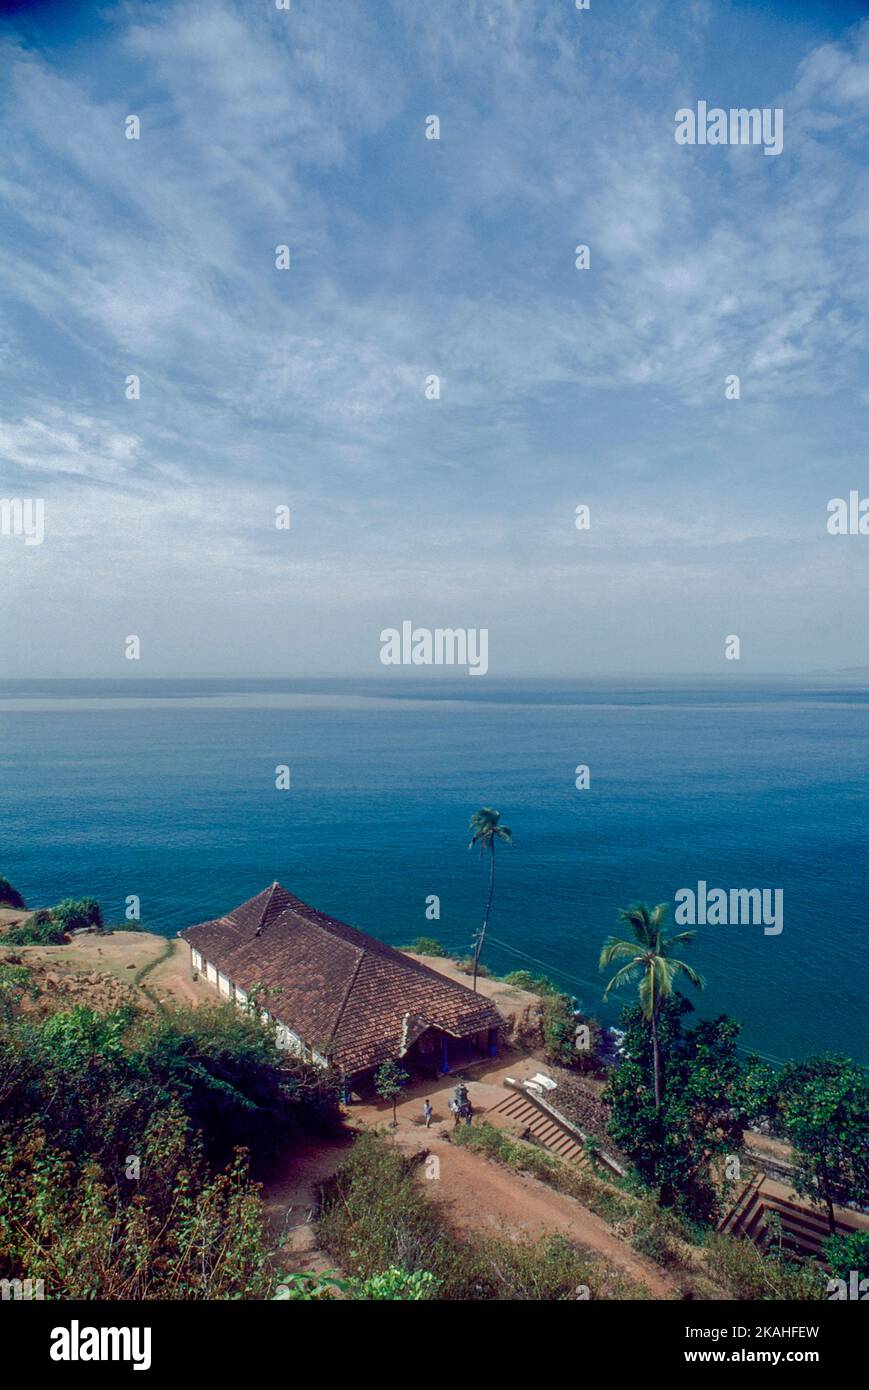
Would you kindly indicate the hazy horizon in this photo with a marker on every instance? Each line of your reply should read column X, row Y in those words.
column 411, row 676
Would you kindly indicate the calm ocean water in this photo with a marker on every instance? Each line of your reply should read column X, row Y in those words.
column 166, row 789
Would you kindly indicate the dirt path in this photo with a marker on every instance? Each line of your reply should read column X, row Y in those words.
column 290, row 1201
column 473, row 1194
column 478, row 1194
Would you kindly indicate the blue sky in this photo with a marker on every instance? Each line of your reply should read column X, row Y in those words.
column 411, row 257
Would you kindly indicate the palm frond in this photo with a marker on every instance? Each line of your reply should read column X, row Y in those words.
column 681, row 938
column 647, row 994
column 485, row 828
column 626, row 975
column 617, row 948
column 680, row 967
column 636, row 916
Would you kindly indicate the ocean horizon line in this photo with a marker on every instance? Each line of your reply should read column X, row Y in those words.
column 103, row 694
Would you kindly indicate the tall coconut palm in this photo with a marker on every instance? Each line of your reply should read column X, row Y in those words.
column 485, row 830
column 649, row 961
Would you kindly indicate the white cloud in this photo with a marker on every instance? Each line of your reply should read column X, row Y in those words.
column 409, row 257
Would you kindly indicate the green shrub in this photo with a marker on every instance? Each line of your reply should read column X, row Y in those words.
column 426, row 946
column 656, row 1232
column 391, row 1285
column 559, row 1024
column 39, row 930
column 9, row 896
column 237, row 1089
column 750, row 1274
column 373, row 1215
column 185, row 1234
column 535, row 984
column 16, row 983
column 846, row 1253
column 549, row 1269
column 50, row 926
column 559, row 1030
column 466, row 965
column 74, row 914
column 86, row 1097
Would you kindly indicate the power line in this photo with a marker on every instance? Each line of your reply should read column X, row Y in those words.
column 575, row 979
column 586, row 984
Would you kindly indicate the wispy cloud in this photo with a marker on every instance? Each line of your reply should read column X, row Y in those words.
column 412, row 257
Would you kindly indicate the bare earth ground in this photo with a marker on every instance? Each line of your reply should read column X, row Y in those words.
column 766, row 1145
column 104, row 969
column 290, row 1202
column 477, row 1194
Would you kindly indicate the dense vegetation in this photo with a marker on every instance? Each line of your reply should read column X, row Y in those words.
column 124, row 1141
column 681, row 1099
column 51, row 925
column 425, row 946
column 9, row 896
column 847, row 1253
column 823, row 1107
column 678, row 1147
column 392, row 1285
column 684, row 1148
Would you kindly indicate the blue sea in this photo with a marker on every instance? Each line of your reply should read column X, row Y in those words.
column 166, row 789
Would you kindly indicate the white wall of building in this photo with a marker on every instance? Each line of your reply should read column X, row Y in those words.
column 287, row 1040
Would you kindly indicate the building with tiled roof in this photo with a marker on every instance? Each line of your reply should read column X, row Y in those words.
column 337, row 995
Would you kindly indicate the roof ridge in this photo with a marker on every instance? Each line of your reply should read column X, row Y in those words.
column 272, row 891
column 268, row 903
column 343, row 1005
column 364, row 942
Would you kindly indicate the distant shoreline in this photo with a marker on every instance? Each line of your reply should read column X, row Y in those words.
column 22, row 695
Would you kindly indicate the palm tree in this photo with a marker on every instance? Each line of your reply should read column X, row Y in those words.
column 649, row 960
column 485, row 830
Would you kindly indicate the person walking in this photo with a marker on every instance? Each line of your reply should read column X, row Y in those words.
column 427, row 1113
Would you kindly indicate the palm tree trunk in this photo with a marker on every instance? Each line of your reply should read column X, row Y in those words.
column 481, row 938
column 656, row 1059
column 828, row 1201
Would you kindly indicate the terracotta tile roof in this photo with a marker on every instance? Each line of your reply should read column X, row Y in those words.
column 344, row 993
